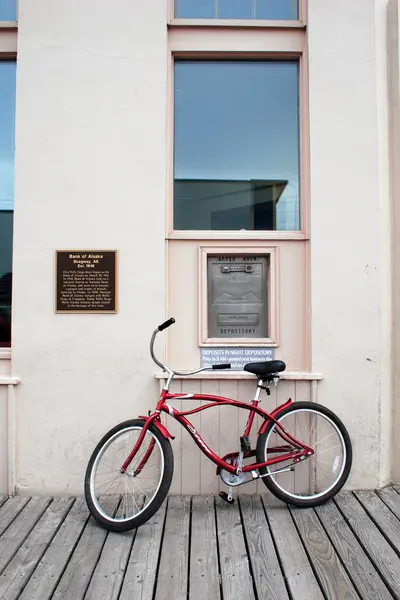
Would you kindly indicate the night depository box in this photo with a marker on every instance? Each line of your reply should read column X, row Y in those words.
column 237, row 296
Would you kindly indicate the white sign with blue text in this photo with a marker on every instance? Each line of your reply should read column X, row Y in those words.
column 237, row 357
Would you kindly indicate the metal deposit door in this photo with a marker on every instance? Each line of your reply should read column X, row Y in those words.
column 237, row 296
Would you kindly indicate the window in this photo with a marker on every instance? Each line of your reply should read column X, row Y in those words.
column 236, row 154
column 7, row 109
column 8, row 10
column 276, row 10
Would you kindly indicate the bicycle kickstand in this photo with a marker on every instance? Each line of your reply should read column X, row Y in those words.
column 227, row 496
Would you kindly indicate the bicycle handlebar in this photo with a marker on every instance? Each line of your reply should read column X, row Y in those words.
column 163, row 326
column 166, row 324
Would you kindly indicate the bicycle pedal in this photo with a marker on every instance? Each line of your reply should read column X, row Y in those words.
column 245, row 443
column 225, row 497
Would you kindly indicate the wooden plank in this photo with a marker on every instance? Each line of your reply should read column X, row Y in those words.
column 173, row 569
column 175, row 429
column 246, row 394
column 76, row 577
column 264, row 562
column 228, row 422
column 48, row 572
column 303, row 472
column 379, row 551
column 361, row 571
column 141, row 571
column 382, row 516
column 391, row 498
column 331, row 574
column 228, row 418
column 190, row 453
column 10, row 510
column 19, row 570
column 209, row 427
column 109, row 573
column 20, row 528
column 234, row 564
column 296, row 567
column 204, row 575
column 3, row 499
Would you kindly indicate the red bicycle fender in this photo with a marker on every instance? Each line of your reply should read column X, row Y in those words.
column 163, row 430
column 159, row 426
column 273, row 414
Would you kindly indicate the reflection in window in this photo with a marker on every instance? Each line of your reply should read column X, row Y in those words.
column 276, row 10
column 7, row 109
column 8, row 10
column 236, row 163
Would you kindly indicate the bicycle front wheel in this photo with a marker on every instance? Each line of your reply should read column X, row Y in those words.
column 123, row 501
column 316, row 478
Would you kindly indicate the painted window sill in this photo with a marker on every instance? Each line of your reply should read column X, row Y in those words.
column 287, row 375
column 235, row 23
column 9, row 380
column 236, row 235
column 8, row 25
column 5, row 353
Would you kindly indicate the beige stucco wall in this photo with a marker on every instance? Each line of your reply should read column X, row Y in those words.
column 394, row 94
column 91, row 173
column 349, row 224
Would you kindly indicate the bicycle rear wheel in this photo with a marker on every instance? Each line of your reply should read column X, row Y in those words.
column 317, row 478
column 123, row 501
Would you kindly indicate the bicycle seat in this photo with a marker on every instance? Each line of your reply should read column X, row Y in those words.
column 265, row 369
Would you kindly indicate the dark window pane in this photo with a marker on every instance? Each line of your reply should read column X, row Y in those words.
column 236, row 145
column 237, row 9
column 8, row 10
column 195, row 9
column 7, row 107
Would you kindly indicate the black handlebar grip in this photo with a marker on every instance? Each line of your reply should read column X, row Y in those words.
column 224, row 366
column 166, row 324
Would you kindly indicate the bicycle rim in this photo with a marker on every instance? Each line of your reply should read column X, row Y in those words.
column 317, row 475
column 120, row 497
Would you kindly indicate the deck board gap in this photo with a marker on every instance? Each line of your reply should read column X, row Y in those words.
column 160, row 552
column 285, row 579
column 311, row 562
column 218, row 551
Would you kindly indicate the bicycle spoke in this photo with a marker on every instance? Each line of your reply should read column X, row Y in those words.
column 107, row 480
column 320, row 476
column 323, row 439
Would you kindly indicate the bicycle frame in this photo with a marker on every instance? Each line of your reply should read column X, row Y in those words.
column 294, row 452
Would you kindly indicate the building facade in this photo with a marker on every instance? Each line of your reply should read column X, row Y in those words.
column 239, row 159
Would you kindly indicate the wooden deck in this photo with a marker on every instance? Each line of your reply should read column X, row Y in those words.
column 202, row 548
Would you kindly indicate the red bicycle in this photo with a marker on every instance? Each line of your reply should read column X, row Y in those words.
column 303, row 452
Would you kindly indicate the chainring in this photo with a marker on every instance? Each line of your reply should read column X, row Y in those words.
column 230, row 478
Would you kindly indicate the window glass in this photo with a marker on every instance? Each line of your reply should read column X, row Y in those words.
column 277, row 10
column 7, row 110
column 8, row 10
column 236, row 146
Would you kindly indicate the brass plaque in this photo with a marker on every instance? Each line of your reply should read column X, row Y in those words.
column 86, row 281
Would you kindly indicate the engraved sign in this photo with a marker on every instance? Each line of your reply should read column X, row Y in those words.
column 237, row 296
column 238, row 357
column 86, row 281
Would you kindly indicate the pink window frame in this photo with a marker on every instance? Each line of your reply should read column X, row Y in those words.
column 211, row 43
column 300, row 23
column 206, row 250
